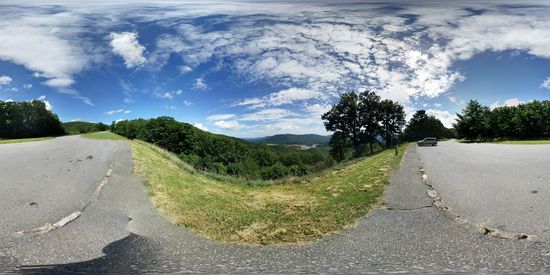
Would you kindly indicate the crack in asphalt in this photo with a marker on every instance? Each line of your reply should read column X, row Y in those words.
column 442, row 206
column 47, row 227
column 409, row 209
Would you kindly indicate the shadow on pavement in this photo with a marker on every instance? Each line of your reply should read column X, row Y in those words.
column 132, row 254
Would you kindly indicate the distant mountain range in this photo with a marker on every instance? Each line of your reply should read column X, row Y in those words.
column 288, row 139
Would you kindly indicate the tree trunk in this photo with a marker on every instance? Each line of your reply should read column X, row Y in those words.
column 370, row 144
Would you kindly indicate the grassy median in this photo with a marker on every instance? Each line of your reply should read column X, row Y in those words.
column 297, row 211
column 6, row 141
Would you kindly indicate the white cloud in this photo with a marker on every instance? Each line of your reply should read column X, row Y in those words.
column 438, row 105
column 200, row 84
column 250, row 101
column 47, row 103
column 185, row 69
column 59, row 82
column 446, row 118
column 166, row 95
column 331, row 50
column 5, row 80
column 127, row 46
column 229, row 125
column 200, row 126
column 546, row 83
column 171, row 107
column 27, row 86
column 279, row 98
column 220, row 117
column 41, row 42
column 267, row 114
column 331, row 53
column 455, row 100
column 118, row 111
column 508, row 102
column 187, row 103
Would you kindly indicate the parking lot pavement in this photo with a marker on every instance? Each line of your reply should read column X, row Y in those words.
column 500, row 186
column 121, row 232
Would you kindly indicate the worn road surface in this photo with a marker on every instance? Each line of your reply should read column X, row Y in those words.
column 500, row 186
column 121, row 232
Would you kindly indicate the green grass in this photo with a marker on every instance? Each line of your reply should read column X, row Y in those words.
column 103, row 135
column 6, row 141
column 296, row 211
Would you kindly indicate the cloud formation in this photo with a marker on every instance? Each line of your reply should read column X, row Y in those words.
column 546, row 83
column 508, row 102
column 126, row 45
column 200, row 126
column 47, row 103
column 308, row 52
column 5, row 80
column 118, row 111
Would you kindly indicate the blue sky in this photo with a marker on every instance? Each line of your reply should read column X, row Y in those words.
column 251, row 69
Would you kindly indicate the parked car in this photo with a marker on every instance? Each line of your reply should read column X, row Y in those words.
column 431, row 141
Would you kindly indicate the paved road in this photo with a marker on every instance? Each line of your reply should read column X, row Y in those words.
column 44, row 181
column 501, row 186
column 121, row 232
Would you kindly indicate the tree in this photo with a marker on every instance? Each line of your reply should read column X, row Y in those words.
column 369, row 113
column 28, row 119
column 422, row 125
column 392, row 118
column 345, row 118
column 339, row 146
column 473, row 122
column 222, row 154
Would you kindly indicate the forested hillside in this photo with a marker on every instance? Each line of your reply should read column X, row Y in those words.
column 288, row 139
column 82, row 127
column 28, row 119
column 222, row 154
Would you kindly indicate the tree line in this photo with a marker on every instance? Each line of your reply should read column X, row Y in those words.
column 221, row 154
column 358, row 121
column 28, row 119
column 525, row 121
column 422, row 125
column 83, row 127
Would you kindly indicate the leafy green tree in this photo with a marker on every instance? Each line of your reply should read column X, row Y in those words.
column 473, row 123
column 422, row 125
column 369, row 113
column 221, row 154
column 345, row 118
column 28, row 119
column 392, row 119
column 340, row 147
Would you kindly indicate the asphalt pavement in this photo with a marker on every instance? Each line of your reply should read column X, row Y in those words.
column 122, row 232
column 44, row 181
column 500, row 186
